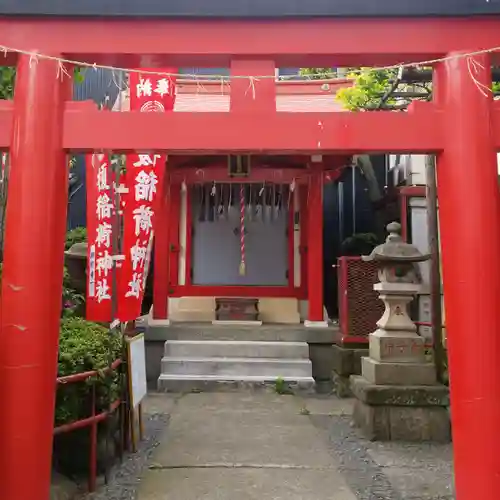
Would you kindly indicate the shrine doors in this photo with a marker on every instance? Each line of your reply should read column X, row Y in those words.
column 216, row 235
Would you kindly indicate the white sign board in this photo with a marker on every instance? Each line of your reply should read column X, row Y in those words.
column 137, row 369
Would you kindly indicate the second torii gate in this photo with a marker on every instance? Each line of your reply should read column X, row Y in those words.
column 461, row 126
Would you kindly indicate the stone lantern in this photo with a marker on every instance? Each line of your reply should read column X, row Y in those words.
column 397, row 395
column 396, row 339
column 76, row 262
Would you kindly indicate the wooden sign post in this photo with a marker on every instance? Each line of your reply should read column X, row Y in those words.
column 136, row 355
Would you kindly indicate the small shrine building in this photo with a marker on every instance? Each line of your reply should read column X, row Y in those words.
column 210, row 200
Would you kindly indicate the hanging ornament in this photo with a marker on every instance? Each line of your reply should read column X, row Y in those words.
column 250, row 207
column 280, row 199
column 259, row 209
column 201, row 202
column 230, row 200
column 220, row 202
column 272, row 202
column 206, row 207
column 242, row 230
column 226, row 196
column 215, row 196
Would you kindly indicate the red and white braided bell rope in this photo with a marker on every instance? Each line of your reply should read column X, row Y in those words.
column 242, row 231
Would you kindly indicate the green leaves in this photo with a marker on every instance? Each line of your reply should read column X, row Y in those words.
column 79, row 75
column 77, row 235
column 316, row 73
column 368, row 87
column 85, row 346
column 7, row 79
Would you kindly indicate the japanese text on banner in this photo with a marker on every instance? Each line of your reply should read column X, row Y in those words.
column 142, row 183
column 100, row 261
column 143, row 180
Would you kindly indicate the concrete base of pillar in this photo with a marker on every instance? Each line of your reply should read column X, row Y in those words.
column 396, row 413
column 315, row 324
column 346, row 361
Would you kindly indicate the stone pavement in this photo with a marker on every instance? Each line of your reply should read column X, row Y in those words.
column 249, row 446
column 242, row 446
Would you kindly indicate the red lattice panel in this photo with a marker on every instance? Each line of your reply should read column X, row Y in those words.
column 359, row 305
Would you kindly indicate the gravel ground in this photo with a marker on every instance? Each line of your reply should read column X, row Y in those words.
column 125, row 477
column 388, row 471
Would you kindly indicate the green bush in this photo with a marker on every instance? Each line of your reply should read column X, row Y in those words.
column 85, row 346
column 77, row 235
column 72, row 301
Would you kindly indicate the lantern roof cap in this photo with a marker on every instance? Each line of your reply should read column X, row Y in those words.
column 395, row 249
column 78, row 250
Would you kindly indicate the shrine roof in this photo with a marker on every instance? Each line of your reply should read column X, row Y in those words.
column 250, row 9
column 296, row 97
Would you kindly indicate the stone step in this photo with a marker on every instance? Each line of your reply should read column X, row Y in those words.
column 207, row 383
column 263, row 333
column 237, row 367
column 235, row 349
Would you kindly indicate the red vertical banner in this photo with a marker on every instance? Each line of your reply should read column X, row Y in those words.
column 100, row 261
column 143, row 185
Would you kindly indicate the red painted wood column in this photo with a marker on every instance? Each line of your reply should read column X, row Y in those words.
column 32, row 280
column 304, row 235
column 315, row 248
column 253, row 94
column 162, row 252
column 469, row 212
column 174, row 239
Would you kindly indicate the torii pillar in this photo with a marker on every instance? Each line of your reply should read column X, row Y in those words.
column 469, row 212
column 32, row 280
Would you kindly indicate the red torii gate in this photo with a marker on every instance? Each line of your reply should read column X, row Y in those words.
column 462, row 126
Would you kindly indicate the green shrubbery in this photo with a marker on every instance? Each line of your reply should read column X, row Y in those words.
column 72, row 301
column 77, row 235
column 85, row 346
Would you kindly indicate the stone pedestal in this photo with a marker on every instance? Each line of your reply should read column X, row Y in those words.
column 401, row 413
column 346, row 361
column 397, row 394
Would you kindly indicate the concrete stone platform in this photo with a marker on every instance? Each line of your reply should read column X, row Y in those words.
column 197, row 363
column 205, row 340
column 156, row 331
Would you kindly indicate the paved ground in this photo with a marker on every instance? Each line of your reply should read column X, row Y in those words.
column 268, row 447
column 244, row 446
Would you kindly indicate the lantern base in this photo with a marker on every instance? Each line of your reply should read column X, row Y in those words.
column 401, row 413
column 408, row 374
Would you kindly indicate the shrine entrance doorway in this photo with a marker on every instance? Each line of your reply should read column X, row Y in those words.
column 217, row 211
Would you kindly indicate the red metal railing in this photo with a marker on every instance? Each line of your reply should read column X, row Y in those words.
column 359, row 305
column 429, row 342
column 93, row 420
